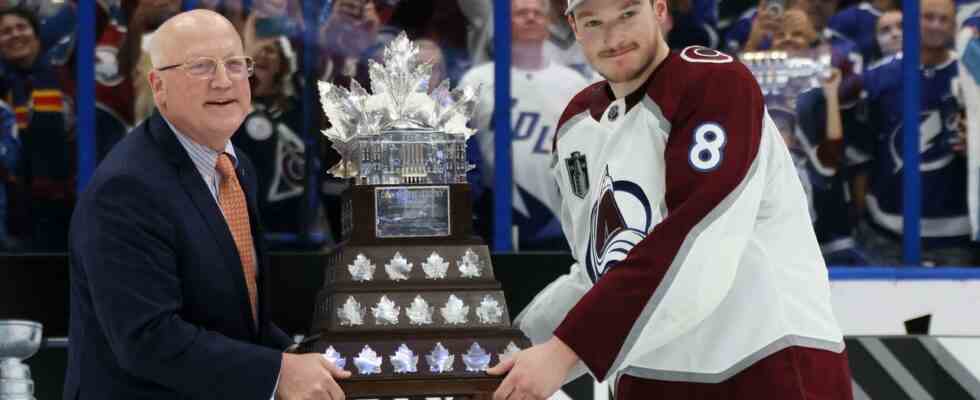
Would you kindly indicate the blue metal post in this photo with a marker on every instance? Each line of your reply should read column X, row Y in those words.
column 912, row 177
column 85, row 92
column 503, row 169
column 311, row 13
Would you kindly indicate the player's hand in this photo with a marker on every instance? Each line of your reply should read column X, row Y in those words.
column 535, row 373
column 309, row 377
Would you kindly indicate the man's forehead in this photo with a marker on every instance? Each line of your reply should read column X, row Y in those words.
column 939, row 6
column 535, row 4
column 592, row 7
column 185, row 45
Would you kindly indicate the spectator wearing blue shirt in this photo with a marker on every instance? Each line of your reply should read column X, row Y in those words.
column 945, row 225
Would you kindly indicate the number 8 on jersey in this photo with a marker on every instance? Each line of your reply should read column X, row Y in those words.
column 707, row 147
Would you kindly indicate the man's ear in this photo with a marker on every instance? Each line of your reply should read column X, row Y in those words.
column 660, row 9
column 157, row 87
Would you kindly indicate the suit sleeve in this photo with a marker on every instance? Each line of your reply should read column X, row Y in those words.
column 680, row 272
column 130, row 260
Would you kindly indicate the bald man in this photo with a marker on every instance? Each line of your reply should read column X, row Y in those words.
column 168, row 281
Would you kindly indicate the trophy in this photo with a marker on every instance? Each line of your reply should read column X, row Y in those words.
column 783, row 77
column 19, row 340
column 409, row 304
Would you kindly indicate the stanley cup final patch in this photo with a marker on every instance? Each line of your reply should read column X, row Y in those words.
column 578, row 174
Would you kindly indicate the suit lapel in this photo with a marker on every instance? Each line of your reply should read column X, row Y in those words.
column 193, row 184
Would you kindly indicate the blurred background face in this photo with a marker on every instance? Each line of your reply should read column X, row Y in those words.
column 529, row 21
column 619, row 37
column 796, row 33
column 889, row 32
column 938, row 23
column 819, row 11
column 430, row 52
column 19, row 44
column 270, row 67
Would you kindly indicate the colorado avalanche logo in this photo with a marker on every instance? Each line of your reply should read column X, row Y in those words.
column 621, row 218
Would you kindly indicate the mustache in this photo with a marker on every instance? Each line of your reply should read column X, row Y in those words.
column 618, row 50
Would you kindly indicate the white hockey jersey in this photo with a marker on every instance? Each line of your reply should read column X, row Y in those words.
column 695, row 256
column 538, row 99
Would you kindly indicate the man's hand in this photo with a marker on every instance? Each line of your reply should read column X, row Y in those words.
column 535, row 373
column 309, row 377
column 764, row 26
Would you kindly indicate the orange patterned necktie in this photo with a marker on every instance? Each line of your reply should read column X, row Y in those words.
column 231, row 199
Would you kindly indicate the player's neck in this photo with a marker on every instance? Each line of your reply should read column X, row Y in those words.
column 933, row 57
column 621, row 89
column 528, row 56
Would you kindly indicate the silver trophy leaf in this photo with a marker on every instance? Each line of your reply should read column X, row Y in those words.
column 351, row 313
column 368, row 362
column 419, row 313
column 330, row 354
column 399, row 268
column 469, row 264
column 398, row 100
column 435, row 267
column 362, row 269
column 455, row 311
column 476, row 359
column 404, row 360
column 508, row 352
column 489, row 311
column 440, row 360
column 386, row 312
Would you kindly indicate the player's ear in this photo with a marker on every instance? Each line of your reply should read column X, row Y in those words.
column 660, row 9
column 571, row 22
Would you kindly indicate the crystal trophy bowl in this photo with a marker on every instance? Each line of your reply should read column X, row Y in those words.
column 19, row 340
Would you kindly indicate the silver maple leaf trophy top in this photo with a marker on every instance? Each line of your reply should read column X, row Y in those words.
column 398, row 133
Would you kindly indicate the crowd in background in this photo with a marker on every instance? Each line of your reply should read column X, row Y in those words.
column 845, row 132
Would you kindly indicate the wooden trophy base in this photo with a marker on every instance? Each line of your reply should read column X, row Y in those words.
column 468, row 389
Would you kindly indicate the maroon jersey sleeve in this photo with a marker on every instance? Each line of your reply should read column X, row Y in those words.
column 716, row 113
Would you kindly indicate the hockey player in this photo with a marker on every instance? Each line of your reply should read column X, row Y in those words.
column 697, row 273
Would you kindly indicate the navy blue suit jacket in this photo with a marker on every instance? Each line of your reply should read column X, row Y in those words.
column 159, row 308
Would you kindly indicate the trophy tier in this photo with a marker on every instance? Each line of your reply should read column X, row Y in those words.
column 418, row 356
column 407, row 214
column 353, row 267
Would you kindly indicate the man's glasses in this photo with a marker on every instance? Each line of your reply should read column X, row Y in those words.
column 240, row 67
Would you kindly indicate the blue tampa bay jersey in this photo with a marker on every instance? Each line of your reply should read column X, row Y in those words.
column 944, row 202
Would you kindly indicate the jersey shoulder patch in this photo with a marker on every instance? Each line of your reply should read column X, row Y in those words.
column 705, row 55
